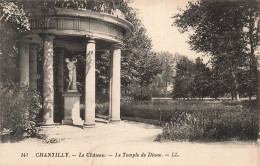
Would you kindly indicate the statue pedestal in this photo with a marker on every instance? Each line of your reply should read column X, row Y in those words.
column 72, row 108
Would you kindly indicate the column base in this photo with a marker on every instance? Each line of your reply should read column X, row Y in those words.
column 78, row 122
column 67, row 122
column 49, row 125
column 69, row 91
column 115, row 120
column 89, row 125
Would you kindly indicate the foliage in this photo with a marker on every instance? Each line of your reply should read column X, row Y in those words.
column 226, row 31
column 167, row 61
column 11, row 12
column 216, row 126
column 202, row 81
column 13, row 20
column 102, row 109
column 161, row 81
column 183, row 81
column 196, row 120
column 19, row 106
column 192, row 79
column 19, row 110
column 141, row 97
column 139, row 63
column 46, row 6
column 103, row 69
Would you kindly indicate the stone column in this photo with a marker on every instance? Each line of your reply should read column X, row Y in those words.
column 48, row 84
column 90, row 84
column 33, row 52
column 115, row 84
column 24, row 63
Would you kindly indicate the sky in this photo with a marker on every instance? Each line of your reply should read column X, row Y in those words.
column 156, row 17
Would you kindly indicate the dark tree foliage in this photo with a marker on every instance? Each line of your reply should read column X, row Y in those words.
column 184, row 78
column 202, row 81
column 192, row 79
column 13, row 20
column 227, row 31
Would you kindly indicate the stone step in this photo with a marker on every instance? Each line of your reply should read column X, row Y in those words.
column 101, row 120
column 102, row 116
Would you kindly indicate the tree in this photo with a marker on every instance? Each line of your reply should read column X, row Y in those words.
column 252, row 22
column 139, row 63
column 19, row 106
column 202, row 81
column 13, row 20
column 167, row 62
column 223, row 30
column 221, row 78
column 184, row 78
column 192, row 79
column 148, row 68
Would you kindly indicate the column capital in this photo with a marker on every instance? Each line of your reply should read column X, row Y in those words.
column 90, row 40
column 117, row 46
column 47, row 37
column 24, row 40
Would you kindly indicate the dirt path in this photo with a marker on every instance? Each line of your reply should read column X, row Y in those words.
column 123, row 143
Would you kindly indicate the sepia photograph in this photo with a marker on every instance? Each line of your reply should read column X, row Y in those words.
column 129, row 82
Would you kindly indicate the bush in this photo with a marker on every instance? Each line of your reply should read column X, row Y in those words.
column 213, row 126
column 18, row 111
column 102, row 109
column 199, row 120
column 141, row 97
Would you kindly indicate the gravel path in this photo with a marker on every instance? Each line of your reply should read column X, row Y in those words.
column 123, row 143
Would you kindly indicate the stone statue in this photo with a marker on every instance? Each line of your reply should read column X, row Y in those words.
column 72, row 83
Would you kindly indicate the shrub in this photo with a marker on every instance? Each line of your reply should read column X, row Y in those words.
column 102, row 109
column 213, row 126
column 19, row 110
column 199, row 120
column 141, row 97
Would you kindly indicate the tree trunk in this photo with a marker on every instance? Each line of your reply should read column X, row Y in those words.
column 235, row 84
column 232, row 93
column 236, row 91
column 237, row 96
